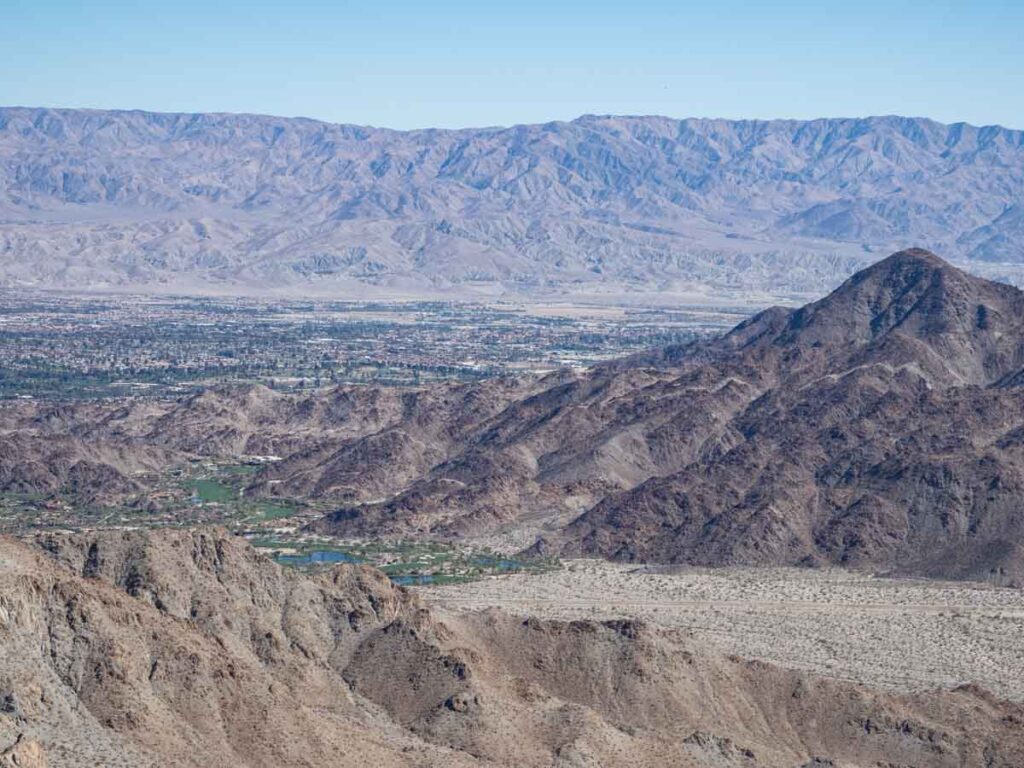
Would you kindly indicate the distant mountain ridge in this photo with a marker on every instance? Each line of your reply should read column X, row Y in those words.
column 598, row 205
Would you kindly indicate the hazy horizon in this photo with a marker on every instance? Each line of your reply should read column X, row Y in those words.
column 455, row 64
column 505, row 126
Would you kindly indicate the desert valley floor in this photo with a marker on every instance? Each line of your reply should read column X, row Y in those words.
column 903, row 635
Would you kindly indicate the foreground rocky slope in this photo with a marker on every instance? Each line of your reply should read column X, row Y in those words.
column 189, row 649
column 879, row 427
column 599, row 205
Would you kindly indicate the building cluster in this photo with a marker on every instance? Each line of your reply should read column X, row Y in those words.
column 63, row 345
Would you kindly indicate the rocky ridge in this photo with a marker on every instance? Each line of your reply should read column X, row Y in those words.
column 183, row 648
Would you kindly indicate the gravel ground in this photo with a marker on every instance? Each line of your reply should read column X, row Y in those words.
column 901, row 635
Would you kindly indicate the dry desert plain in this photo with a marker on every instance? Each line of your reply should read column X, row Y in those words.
column 898, row 634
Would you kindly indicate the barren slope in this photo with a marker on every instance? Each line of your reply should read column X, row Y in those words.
column 180, row 648
column 885, row 435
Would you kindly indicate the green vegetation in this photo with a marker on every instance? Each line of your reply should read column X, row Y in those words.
column 206, row 492
column 200, row 493
column 274, row 510
column 405, row 562
column 209, row 490
column 242, row 470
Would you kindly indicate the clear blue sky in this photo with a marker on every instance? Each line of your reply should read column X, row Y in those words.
column 451, row 63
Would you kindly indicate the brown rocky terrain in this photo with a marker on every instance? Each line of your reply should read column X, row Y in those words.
column 91, row 471
column 903, row 635
column 190, row 649
column 23, row 753
column 878, row 428
column 885, row 434
column 353, row 443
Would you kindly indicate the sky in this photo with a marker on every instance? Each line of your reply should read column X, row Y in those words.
column 448, row 63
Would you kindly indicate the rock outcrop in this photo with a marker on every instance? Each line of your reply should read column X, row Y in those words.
column 23, row 753
column 180, row 648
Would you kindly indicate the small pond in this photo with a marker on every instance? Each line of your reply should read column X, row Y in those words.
column 405, row 580
column 317, row 557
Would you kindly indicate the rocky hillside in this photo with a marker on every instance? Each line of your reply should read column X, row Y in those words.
column 189, row 649
column 877, row 428
column 599, row 205
column 884, row 432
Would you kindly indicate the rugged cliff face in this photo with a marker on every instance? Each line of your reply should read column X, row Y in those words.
column 188, row 649
column 182, row 649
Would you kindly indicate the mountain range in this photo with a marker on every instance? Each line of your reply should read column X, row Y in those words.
column 629, row 208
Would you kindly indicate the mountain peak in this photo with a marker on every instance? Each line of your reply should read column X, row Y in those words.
column 903, row 268
column 910, row 257
column 854, row 312
column 914, row 300
column 908, row 266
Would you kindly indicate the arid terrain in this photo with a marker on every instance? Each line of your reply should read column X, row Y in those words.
column 612, row 208
column 604, row 558
column 511, row 385
column 188, row 648
column 897, row 634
